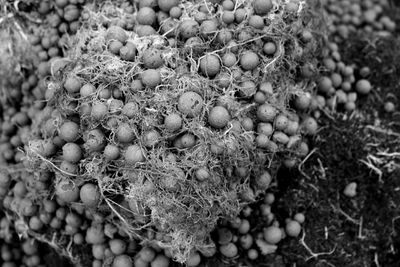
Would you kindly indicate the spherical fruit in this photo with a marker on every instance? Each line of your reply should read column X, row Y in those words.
column 134, row 154
column 193, row 260
column 188, row 28
column 210, row 65
column 209, row 28
column 90, row 194
column 69, row 131
column 72, row 152
column 272, row 234
column 281, row 122
column 244, row 226
column 94, row 140
column 363, row 86
column 299, row 217
column 147, row 254
column 229, row 59
column 266, row 112
column 389, row 107
column 128, row 52
column 310, row 126
column 111, row 152
column 263, row 180
column 99, row 110
column 202, row 174
column 95, row 234
column 67, row 191
column 188, row 140
column 116, row 33
column 151, row 78
column 252, row 254
column 229, row 250
column 190, row 104
column 218, row 117
column 152, row 58
column 122, row 261
column 173, row 122
column 72, row 84
column 325, row 84
column 87, row 90
column 269, row 48
column 262, row 7
column 151, row 138
column 166, row 5
column 293, row 228
column 249, row 60
column 125, row 133
column 160, row 261
column 302, row 101
column 146, row 16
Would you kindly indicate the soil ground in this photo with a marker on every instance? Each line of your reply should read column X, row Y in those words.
column 362, row 147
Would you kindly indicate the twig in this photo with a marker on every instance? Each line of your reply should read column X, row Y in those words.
column 64, row 252
column 24, row 36
column 327, row 113
column 393, row 222
column 300, row 168
column 6, row 17
column 382, row 131
column 373, row 167
column 385, row 154
column 328, row 263
column 323, row 173
column 239, row 44
column 313, row 254
column 360, row 235
column 338, row 209
column 52, row 164
column 376, row 260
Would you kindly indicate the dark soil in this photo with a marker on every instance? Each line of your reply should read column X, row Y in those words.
column 359, row 231
column 361, row 148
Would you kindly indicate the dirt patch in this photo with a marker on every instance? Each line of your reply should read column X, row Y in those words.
column 344, row 231
column 363, row 148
